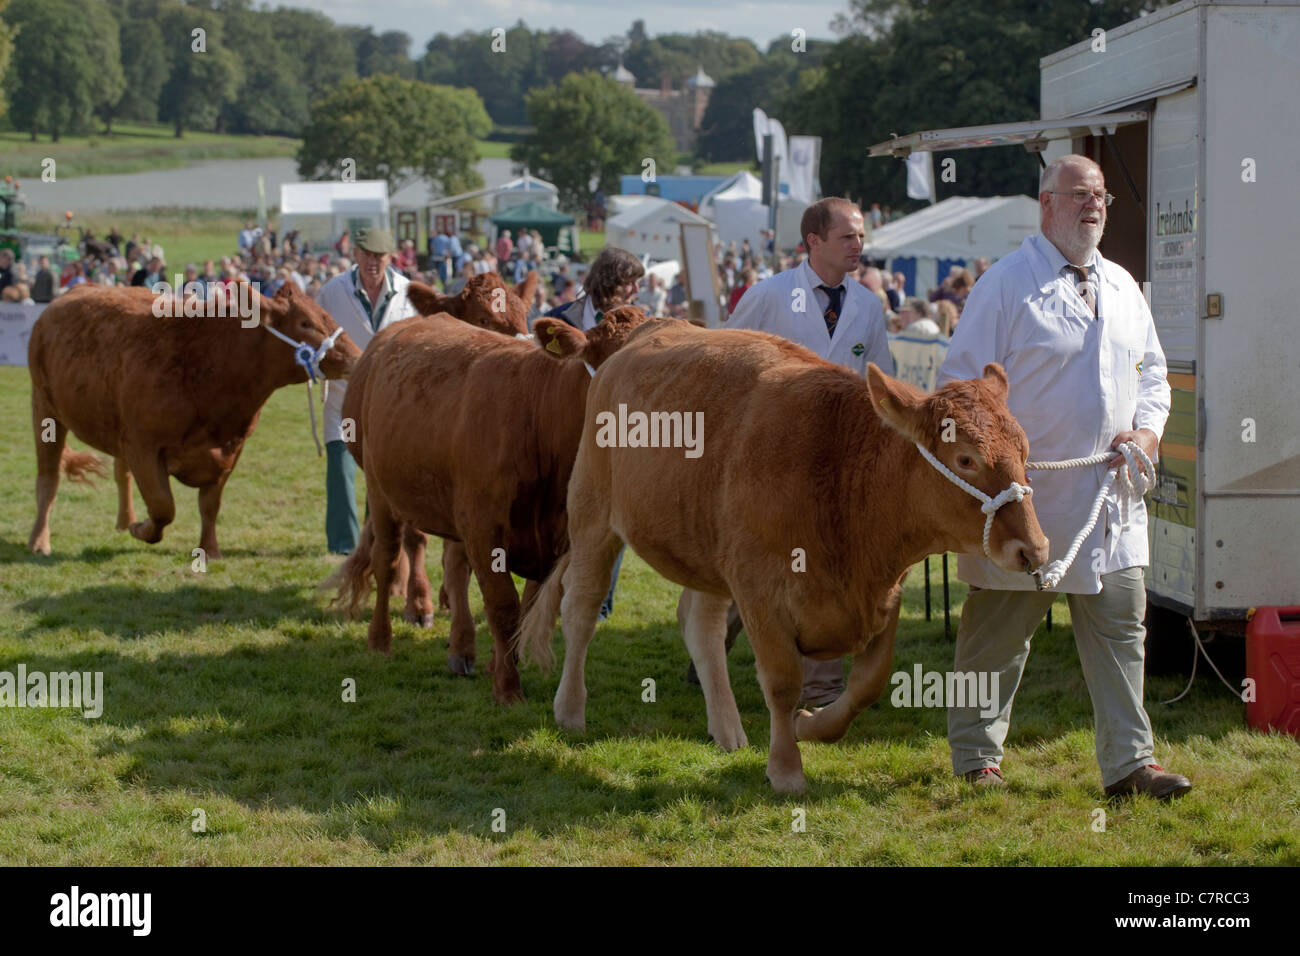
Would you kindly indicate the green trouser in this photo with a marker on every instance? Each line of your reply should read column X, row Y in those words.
column 994, row 636
column 341, row 528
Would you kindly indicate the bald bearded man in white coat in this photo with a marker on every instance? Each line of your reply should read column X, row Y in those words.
column 1086, row 373
column 843, row 322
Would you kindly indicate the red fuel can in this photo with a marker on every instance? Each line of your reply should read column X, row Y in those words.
column 1273, row 660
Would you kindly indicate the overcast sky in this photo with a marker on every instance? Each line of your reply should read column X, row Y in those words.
column 593, row 20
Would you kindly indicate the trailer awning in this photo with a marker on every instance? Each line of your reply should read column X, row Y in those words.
column 1033, row 135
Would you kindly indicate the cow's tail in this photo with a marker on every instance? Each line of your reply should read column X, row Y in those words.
column 81, row 466
column 353, row 580
column 533, row 639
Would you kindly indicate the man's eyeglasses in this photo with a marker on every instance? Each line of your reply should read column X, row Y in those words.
column 1081, row 196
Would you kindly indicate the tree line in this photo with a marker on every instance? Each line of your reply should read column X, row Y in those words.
column 897, row 66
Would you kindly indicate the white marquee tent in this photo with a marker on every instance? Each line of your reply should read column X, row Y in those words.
column 650, row 228
column 957, row 230
column 738, row 213
column 321, row 211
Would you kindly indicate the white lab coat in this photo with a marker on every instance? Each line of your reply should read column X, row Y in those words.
column 785, row 305
column 1076, row 383
column 338, row 298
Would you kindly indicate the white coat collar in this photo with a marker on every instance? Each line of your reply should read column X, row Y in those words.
column 811, row 282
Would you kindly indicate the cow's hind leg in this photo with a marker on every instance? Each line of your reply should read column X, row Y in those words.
column 155, row 488
column 49, row 455
column 209, row 506
column 867, row 681
column 461, row 652
column 501, row 604
column 703, row 619
column 385, row 553
column 419, row 600
column 592, row 553
column 125, row 503
column 780, row 672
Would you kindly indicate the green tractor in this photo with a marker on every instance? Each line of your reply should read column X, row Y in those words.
column 28, row 247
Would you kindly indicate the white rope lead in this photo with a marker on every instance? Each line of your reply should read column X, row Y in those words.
column 1135, row 481
column 310, row 358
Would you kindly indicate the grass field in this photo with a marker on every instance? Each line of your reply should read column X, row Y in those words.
column 223, row 693
column 132, row 148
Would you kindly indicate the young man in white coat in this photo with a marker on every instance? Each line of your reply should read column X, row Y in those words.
column 814, row 305
column 1087, row 374
column 364, row 300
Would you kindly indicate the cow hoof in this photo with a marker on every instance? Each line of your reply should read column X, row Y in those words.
column 423, row 621
column 461, row 666
column 818, row 724
column 138, row 531
column 729, row 740
column 571, row 722
column 508, row 697
column 789, row 784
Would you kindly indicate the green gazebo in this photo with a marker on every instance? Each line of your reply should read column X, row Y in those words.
column 533, row 215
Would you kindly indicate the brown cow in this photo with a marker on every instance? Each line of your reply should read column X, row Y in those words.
column 478, row 303
column 163, row 395
column 471, row 438
column 808, row 505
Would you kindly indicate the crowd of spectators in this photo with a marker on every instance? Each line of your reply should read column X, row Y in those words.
column 267, row 261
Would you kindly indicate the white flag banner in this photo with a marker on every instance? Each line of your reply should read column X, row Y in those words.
column 764, row 125
column 805, row 154
column 920, row 176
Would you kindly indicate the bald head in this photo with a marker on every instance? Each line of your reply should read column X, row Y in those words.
column 1052, row 172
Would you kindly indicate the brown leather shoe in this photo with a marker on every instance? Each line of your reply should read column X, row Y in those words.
column 984, row 777
column 1152, row 780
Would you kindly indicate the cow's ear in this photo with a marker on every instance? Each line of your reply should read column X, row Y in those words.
column 558, row 338
column 611, row 332
column 996, row 378
column 287, row 290
column 426, row 299
column 899, row 405
column 526, row 288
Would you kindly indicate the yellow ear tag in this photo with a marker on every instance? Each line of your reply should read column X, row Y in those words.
column 884, row 403
column 554, row 346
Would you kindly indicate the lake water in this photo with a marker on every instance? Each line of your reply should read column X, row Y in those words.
column 219, row 184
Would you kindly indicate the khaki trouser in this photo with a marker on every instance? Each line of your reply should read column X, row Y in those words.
column 823, row 681
column 994, row 635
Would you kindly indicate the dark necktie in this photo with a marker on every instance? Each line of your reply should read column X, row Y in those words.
column 832, row 313
column 1085, row 288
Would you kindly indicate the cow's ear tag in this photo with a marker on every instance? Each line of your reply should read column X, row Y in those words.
column 884, row 404
column 554, row 344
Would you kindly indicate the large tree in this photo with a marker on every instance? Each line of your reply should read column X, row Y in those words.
column 6, row 50
column 936, row 63
column 66, row 64
column 273, row 96
column 204, row 74
column 318, row 50
column 590, row 127
column 145, row 67
column 387, row 125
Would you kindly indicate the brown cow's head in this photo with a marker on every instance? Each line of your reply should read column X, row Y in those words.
column 561, row 340
column 486, row 301
column 294, row 313
column 967, row 426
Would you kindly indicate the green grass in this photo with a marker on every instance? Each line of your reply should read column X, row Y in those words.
column 223, row 693
column 186, row 235
column 490, row 149
column 131, row 148
column 723, row 169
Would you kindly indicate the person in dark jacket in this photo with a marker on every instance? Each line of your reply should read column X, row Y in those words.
column 611, row 281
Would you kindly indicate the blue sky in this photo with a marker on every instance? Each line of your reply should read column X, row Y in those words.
column 593, row 20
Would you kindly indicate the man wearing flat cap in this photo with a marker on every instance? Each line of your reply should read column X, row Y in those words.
column 364, row 300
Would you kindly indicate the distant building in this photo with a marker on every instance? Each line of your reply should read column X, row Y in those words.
column 683, row 109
